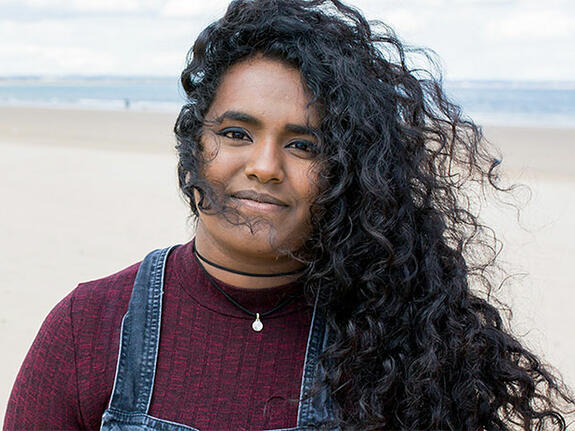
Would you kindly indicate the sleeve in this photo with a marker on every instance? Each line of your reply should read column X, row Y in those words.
column 45, row 393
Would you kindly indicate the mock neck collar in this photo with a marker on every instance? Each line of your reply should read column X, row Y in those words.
column 194, row 281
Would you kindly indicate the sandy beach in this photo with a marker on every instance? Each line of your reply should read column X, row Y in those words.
column 86, row 193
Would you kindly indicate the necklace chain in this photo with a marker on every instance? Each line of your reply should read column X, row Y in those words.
column 257, row 325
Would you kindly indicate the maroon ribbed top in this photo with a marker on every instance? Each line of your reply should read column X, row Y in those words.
column 214, row 372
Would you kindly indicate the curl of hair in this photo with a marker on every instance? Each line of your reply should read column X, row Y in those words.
column 414, row 344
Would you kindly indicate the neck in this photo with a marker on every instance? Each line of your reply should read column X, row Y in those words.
column 232, row 267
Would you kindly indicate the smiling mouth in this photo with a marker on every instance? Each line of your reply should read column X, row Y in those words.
column 258, row 201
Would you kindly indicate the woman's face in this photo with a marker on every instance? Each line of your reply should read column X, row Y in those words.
column 261, row 148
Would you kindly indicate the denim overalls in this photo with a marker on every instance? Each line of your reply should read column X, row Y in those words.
column 136, row 369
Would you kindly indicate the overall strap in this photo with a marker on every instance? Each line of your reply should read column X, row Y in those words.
column 140, row 337
column 317, row 408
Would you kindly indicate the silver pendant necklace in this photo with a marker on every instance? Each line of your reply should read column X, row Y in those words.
column 257, row 324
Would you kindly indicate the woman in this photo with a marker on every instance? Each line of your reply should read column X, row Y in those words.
column 334, row 280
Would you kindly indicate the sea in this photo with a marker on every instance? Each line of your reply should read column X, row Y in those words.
column 515, row 103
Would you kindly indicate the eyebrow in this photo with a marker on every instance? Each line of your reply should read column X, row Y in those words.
column 238, row 116
column 249, row 119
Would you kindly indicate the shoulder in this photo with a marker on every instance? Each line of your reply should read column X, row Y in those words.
column 106, row 299
column 106, row 295
column 66, row 378
column 91, row 300
column 96, row 309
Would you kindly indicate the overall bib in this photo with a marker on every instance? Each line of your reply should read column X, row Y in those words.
column 136, row 369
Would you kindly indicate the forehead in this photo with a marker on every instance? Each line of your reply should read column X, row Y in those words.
column 266, row 89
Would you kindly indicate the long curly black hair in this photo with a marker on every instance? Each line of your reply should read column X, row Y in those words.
column 415, row 344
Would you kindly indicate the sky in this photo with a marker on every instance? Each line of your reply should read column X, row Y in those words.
column 529, row 40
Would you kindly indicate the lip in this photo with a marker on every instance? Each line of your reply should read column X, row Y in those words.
column 260, row 202
column 258, row 197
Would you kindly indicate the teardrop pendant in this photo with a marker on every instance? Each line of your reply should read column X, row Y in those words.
column 257, row 324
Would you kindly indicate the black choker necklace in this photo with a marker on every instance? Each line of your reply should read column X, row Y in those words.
column 257, row 324
column 249, row 274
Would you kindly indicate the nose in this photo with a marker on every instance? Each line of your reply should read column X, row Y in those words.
column 264, row 162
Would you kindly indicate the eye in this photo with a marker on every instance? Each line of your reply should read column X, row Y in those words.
column 303, row 146
column 235, row 134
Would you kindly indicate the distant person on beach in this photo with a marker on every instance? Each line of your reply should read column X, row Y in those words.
column 339, row 277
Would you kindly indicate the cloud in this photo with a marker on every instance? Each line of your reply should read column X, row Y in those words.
column 71, row 7
column 194, row 8
column 94, row 45
column 543, row 24
column 488, row 39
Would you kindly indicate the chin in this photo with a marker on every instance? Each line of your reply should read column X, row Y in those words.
column 263, row 240
column 258, row 237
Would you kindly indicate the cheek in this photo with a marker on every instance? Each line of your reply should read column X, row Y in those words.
column 221, row 166
column 214, row 157
column 307, row 189
column 315, row 184
column 309, row 183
